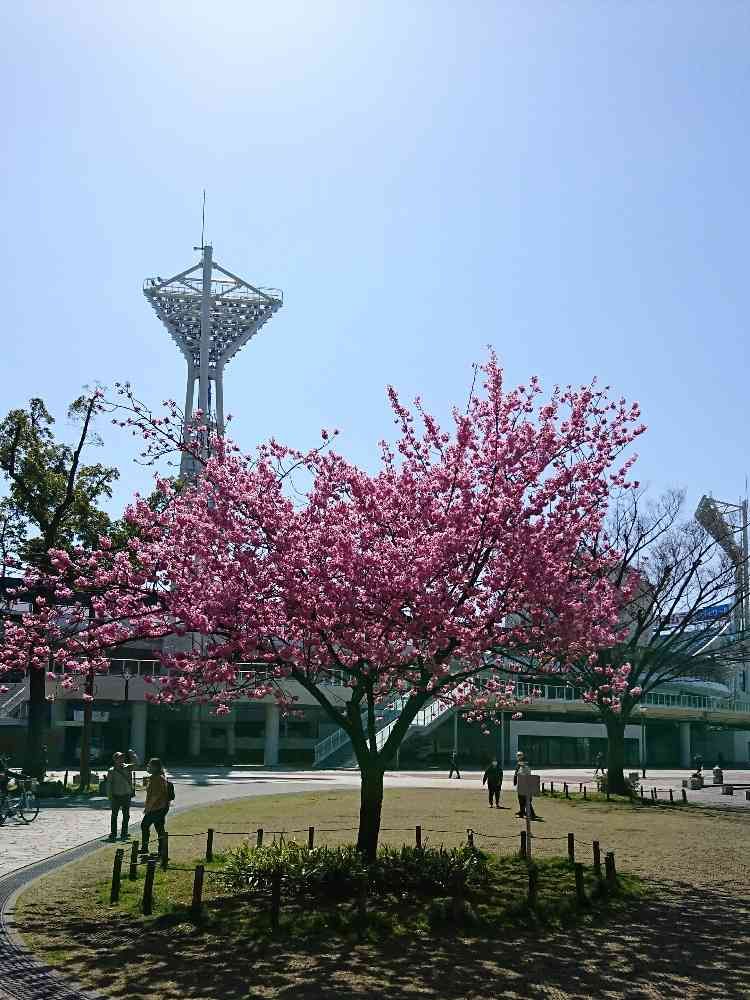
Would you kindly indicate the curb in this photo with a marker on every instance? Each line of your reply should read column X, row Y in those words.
column 22, row 975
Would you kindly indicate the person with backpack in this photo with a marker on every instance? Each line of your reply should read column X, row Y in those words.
column 119, row 784
column 158, row 799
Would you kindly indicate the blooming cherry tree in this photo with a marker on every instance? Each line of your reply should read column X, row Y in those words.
column 466, row 553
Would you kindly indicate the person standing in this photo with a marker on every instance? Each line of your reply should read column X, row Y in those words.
column 698, row 764
column 454, row 765
column 120, row 792
column 493, row 778
column 522, row 767
column 158, row 798
column 599, row 760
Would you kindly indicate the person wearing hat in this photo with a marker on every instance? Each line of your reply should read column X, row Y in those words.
column 157, row 803
column 522, row 767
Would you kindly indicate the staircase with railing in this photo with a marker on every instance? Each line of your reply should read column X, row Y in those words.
column 336, row 750
column 14, row 700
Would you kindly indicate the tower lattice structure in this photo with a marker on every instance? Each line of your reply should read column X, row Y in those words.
column 210, row 314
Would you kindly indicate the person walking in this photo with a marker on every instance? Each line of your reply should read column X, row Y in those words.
column 698, row 764
column 158, row 797
column 522, row 767
column 454, row 765
column 493, row 778
column 599, row 760
column 120, row 792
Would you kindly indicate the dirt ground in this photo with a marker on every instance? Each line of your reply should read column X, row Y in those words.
column 690, row 939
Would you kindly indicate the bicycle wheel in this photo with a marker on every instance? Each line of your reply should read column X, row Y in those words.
column 28, row 807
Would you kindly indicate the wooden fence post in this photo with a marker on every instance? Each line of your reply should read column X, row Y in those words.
column 114, row 893
column 164, row 850
column 544, row 790
column 148, row 887
column 275, row 897
column 418, row 836
column 197, row 904
column 597, row 859
column 209, row 845
column 609, row 864
column 671, row 796
column 311, row 837
column 580, row 889
column 584, row 793
column 571, row 848
column 523, row 844
column 641, row 793
column 580, row 787
column 684, row 795
column 133, row 873
column 552, row 788
column 567, row 796
column 259, row 837
column 533, row 885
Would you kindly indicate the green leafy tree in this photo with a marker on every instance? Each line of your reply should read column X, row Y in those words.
column 52, row 502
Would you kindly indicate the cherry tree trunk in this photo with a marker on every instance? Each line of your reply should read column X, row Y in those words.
column 37, row 722
column 370, row 810
column 616, row 755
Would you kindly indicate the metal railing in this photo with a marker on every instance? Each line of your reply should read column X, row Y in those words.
column 15, row 700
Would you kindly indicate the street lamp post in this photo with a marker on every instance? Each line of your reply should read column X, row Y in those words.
column 643, row 741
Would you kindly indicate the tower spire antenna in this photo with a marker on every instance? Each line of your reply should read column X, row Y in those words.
column 203, row 221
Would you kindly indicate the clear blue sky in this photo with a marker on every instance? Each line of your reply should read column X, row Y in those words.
column 566, row 181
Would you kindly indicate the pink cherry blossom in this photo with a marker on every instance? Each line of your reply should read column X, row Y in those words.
column 467, row 558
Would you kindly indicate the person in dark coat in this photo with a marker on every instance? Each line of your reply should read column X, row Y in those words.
column 493, row 779
column 454, row 765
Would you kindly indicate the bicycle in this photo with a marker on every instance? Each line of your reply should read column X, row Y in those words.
column 21, row 803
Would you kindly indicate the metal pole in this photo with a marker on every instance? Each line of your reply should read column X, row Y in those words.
column 455, row 730
column 745, row 578
column 219, row 386
column 205, row 330
column 189, row 395
column 643, row 744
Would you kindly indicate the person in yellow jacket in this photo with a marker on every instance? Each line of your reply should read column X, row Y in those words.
column 158, row 798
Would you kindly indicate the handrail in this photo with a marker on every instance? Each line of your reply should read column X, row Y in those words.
column 17, row 697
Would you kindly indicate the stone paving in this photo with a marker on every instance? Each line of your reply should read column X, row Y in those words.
column 60, row 827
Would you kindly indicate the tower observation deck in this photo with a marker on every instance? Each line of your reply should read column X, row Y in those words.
column 210, row 314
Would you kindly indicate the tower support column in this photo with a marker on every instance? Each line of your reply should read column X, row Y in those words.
column 219, row 386
column 205, row 330
column 271, row 747
column 195, row 730
column 685, row 744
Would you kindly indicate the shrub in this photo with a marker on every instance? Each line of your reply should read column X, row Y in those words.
column 337, row 871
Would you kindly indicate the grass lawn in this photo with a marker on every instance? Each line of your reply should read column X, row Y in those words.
column 695, row 859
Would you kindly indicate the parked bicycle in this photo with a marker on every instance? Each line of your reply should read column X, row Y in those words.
column 21, row 801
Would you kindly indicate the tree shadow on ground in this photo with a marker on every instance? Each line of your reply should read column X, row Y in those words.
column 684, row 942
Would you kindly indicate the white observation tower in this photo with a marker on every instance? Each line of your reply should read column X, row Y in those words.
column 210, row 314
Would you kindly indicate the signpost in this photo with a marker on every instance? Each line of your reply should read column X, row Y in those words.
column 528, row 786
